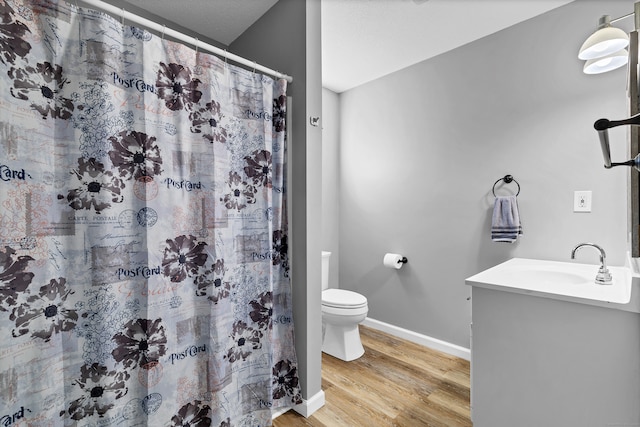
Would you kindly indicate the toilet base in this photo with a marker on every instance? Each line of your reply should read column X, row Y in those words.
column 342, row 342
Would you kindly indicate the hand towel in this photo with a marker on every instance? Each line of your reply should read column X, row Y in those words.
column 505, row 223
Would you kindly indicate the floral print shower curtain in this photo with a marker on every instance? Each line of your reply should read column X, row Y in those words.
column 144, row 268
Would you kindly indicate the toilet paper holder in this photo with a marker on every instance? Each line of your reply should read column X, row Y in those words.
column 391, row 260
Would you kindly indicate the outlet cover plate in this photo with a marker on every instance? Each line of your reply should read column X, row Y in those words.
column 582, row 201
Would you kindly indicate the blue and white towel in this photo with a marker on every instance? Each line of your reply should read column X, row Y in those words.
column 505, row 223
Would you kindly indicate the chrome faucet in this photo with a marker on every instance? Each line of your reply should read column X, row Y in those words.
column 603, row 277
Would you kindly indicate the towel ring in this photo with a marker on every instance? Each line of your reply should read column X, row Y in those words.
column 507, row 179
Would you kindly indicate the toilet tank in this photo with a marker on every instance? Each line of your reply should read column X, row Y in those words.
column 325, row 269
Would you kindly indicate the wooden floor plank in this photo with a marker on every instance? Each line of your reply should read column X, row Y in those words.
column 396, row 383
column 354, row 408
column 373, row 387
column 452, row 402
column 423, row 358
column 460, row 374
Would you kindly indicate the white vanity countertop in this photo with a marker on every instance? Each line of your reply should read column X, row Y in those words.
column 565, row 281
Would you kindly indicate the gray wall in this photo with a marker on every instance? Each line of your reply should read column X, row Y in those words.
column 420, row 150
column 287, row 38
column 331, row 181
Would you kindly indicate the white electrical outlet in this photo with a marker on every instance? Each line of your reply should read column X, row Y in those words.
column 582, row 201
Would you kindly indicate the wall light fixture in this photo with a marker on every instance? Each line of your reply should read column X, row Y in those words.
column 604, row 50
column 604, row 41
column 606, row 63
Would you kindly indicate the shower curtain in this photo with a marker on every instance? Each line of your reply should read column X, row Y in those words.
column 144, row 268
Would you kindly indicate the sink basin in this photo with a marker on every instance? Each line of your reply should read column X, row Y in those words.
column 545, row 275
column 554, row 279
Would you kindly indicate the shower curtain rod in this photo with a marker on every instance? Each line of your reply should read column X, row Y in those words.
column 184, row 37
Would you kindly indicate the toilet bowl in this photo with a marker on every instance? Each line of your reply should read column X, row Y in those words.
column 342, row 311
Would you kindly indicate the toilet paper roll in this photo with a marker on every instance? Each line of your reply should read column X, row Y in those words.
column 393, row 261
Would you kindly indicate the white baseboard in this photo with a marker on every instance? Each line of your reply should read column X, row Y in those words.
column 427, row 341
column 311, row 405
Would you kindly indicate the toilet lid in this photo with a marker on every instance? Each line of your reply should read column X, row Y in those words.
column 342, row 298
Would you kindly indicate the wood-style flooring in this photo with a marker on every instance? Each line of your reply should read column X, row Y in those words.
column 396, row 383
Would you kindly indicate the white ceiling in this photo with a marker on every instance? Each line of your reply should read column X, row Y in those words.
column 362, row 40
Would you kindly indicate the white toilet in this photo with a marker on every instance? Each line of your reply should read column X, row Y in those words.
column 342, row 311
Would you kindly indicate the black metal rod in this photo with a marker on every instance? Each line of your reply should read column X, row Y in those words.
column 627, row 163
column 604, row 124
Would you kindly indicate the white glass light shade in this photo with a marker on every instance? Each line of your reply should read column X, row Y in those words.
column 607, row 63
column 603, row 42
